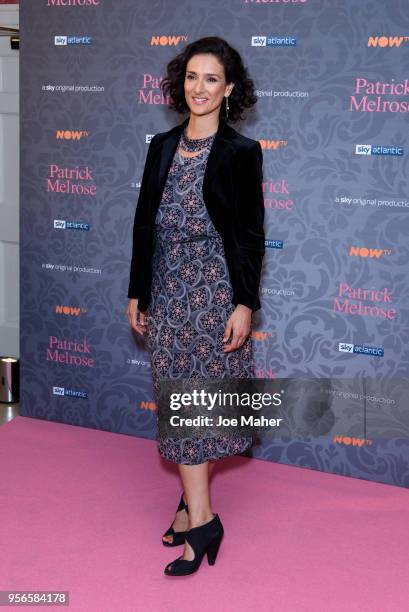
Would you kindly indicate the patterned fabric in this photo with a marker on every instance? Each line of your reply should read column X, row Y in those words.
column 190, row 305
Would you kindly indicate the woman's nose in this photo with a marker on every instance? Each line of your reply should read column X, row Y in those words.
column 199, row 88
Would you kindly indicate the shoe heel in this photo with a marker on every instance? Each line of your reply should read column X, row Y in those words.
column 213, row 549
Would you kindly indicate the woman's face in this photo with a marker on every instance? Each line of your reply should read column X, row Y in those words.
column 205, row 84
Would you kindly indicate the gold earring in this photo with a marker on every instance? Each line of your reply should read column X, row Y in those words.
column 227, row 106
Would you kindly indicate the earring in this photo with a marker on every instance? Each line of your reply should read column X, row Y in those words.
column 227, row 106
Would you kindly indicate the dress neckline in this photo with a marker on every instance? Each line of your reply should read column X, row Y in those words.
column 185, row 159
column 192, row 145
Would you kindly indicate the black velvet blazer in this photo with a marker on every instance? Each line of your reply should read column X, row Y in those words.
column 233, row 195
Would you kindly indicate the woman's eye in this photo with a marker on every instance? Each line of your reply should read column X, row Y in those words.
column 190, row 76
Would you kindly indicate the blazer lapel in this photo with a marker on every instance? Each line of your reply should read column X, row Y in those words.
column 220, row 146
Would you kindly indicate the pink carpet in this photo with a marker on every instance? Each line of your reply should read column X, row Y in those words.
column 83, row 510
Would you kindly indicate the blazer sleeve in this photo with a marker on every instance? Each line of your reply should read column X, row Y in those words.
column 250, row 217
column 140, row 227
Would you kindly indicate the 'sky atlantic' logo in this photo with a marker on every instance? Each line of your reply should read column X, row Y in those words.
column 274, row 244
column 362, row 149
column 361, row 349
column 71, row 225
column 63, row 41
column 65, row 391
column 273, row 41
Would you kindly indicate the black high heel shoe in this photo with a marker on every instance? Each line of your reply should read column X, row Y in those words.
column 203, row 539
column 178, row 537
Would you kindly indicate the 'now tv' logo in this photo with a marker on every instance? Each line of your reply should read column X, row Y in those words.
column 350, row 441
column 147, row 405
column 262, row 336
column 273, row 144
column 71, row 134
column 387, row 41
column 167, row 41
column 74, row 311
column 371, row 253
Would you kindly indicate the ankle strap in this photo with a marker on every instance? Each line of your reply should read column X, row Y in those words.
column 182, row 505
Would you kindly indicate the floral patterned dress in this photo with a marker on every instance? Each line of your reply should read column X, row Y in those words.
column 190, row 304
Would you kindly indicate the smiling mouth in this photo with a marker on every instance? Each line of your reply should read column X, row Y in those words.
column 200, row 100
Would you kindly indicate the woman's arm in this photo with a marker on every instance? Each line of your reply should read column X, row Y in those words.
column 140, row 227
column 251, row 238
column 250, row 226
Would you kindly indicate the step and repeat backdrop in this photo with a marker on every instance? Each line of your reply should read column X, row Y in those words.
column 332, row 81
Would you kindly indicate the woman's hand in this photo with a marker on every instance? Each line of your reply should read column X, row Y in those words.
column 136, row 318
column 238, row 324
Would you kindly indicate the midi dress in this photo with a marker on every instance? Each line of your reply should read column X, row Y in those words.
column 190, row 303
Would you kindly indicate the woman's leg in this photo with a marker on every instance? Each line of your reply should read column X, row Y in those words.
column 195, row 480
column 181, row 522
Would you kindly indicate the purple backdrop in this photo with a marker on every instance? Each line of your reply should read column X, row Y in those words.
column 331, row 77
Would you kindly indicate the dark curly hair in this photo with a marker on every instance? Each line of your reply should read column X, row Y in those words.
column 242, row 95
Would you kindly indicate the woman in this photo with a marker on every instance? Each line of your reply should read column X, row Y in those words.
column 198, row 246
